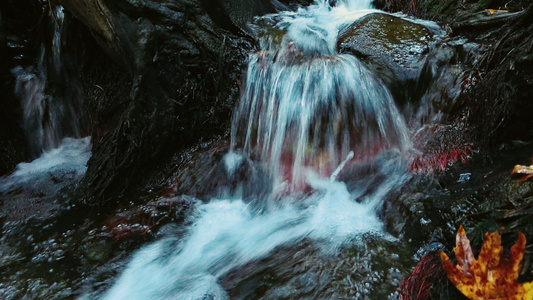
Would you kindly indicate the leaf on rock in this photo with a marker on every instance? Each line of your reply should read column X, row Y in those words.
column 525, row 171
column 492, row 11
column 491, row 276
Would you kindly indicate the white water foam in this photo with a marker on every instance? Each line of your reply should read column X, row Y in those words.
column 69, row 158
column 227, row 234
column 232, row 161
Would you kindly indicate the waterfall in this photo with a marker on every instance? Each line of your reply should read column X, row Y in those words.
column 49, row 113
column 312, row 113
column 51, row 103
column 305, row 114
column 306, row 106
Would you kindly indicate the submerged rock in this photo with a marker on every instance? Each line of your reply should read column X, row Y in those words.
column 302, row 270
column 219, row 173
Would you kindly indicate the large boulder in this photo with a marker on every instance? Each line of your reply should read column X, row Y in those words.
column 391, row 46
column 424, row 69
column 181, row 64
column 498, row 86
column 385, row 37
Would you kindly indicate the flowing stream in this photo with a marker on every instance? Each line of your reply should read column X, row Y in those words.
column 306, row 115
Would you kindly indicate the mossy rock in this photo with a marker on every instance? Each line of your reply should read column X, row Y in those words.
column 388, row 37
column 393, row 48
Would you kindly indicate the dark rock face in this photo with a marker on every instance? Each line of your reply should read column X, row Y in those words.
column 27, row 67
column 234, row 15
column 167, row 76
column 3, row 44
column 500, row 105
column 13, row 148
column 296, row 3
column 16, row 47
column 184, row 66
column 498, row 85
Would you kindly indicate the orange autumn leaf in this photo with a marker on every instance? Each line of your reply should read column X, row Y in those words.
column 492, row 11
column 525, row 171
column 491, row 276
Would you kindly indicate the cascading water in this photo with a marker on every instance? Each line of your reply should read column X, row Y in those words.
column 48, row 115
column 51, row 103
column 304, row 112
column 312, row 111
column 304, row 105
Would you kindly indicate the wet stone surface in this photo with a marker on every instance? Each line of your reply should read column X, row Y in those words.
column 53, row 248
column 366, row 268
column 387, row 37
column 428, row 211
column 66, row 255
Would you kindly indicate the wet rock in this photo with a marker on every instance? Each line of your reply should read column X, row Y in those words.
column 490, row 200
column 387, row 37
column 447, row 81
column 41, row 189
column 392, row 47
column 484, row 20
column 440, row 146
column 499, row 102
column 98, row 251
column 390, row 39
column 495, row 77
column 426, row 72
column 265, row 29
column 16, row 45
column 221, row 174
column 160, row 217
column 52, row 256
column 39, row 258
column 356, row 271
column 236, row 14
column 9, row 256
column 294, row 4
column 182, row 72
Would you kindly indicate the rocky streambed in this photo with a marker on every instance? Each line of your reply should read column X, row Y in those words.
column 66, row 251
column 159, row 129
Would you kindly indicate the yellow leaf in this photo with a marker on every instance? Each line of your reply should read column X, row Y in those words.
column 490, row 276
column 526, row 171
column 492, row 11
